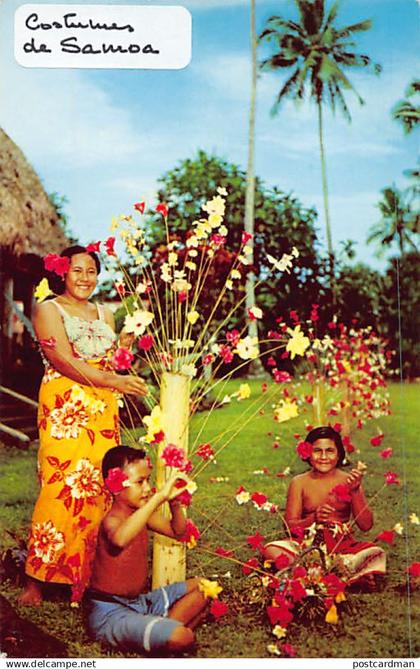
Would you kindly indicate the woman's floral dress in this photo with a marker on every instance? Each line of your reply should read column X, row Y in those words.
column 77, row 424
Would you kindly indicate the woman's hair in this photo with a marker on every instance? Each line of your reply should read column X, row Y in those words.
column 120, row 456
column 56, row 282
column 327, row 432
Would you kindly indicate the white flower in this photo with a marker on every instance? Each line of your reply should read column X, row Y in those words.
column 286, row 471
column 235, row 274
column 181, row 286
column 398, row 528
column 138, row 322
column 165, row 273
column 243, row 497
column 222, row 191
column 247, row 348
column 279, row 631
column 256, row 312
column 172, row 258
column 192, row 243
column 193, row 316
column 282, row 265
column 189, row 370
column 273, row 649
column 414, row 519
column 223, row 230
column 191, row 265
column 229, row 284
column 215, row 206
column 191, row 487
column 295, row 252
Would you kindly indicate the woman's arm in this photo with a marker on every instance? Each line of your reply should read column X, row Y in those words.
column 47, row 323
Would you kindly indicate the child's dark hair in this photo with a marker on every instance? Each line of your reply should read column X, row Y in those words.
column 57, row 282
column 120, row 456
column 327, row 432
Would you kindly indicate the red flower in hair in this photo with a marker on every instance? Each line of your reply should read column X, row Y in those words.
column 115, row 480
column 163, row 209
column 304, row 450
column 58, row 264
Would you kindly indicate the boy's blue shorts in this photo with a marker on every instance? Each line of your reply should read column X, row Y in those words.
column 136, row 624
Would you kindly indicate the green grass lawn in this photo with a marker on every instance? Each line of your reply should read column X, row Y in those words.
column 375, row 625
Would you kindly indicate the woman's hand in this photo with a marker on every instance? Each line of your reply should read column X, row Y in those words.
column 354, row 480
column 325, row 513
column 130, row 385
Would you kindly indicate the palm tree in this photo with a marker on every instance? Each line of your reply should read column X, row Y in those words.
column 399, row 221
column 407, row 113
column 318, row 51
column 256, row 368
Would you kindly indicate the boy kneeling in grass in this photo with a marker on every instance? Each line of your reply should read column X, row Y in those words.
column 121, row 611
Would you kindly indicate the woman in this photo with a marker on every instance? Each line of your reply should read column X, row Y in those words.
column 78, row 423
column 326, row 498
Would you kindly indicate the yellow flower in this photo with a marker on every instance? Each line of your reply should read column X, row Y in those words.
column 193, row 316
column 279, row 631
column 340, row 597
column 215, row 206
column 191, row 265
column 414, row 519
column 244, row 391
column 153, row 423
column 209, row 589
column 235, row 274
column 298, row 344
column 172, row 259
column 42, row 291
column 398, row 528
column 215, row 220
column 332, row 615
column 285, row 411
column 114, row 224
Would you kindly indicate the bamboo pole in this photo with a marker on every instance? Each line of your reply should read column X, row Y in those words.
column 169, row 556
column 319, row 403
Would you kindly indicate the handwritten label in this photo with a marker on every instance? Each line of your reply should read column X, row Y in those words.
column 103, row 36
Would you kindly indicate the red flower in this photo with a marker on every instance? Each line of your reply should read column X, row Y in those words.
column 184, row 497
column 163, row 209
column 279, row 615
column 281, row 562
column 109, row 246
column 158, row 437
column 391, row 478
column 271, row 361
column 122, row 359
column 120, row 288
column 297, row 590
column 205, row 451
column 146, row 342
column 226, row 354
column 191, row 532
column 173, row 456
column 94, row 247
column 217, row 239
column 246, row 236
column 376, row 441
column 115, row 480
column 208, row 359
column 386, row 453
column 289, row 650
column 342, row 492
column 140, row 206
column 281, row 377
column 259, row 499
column 304, row 450
column 294, row 315
column 182, row 296
column 337, row 427
column 264, row 387
column 58, row 264
column 223, row 552
column 309, row 399
column 255, row 540
column 387, row 536
column 414, row 570
column 218, row 609
column 299, row 572
column 250, row 565
column 233, row 337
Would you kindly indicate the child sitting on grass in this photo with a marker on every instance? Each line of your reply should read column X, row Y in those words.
column 121, row 611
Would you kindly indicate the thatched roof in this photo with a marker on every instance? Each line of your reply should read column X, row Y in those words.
column 28, row 221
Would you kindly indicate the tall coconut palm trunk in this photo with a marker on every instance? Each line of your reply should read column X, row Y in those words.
column 326, row 204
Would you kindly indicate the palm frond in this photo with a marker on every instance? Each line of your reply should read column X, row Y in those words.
column 362, row 26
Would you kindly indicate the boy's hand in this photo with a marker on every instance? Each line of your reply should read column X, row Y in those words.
column 325, row 513
column 169, row 491
column 354, row 480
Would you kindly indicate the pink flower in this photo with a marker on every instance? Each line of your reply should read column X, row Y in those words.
column 173, row 456
column 255, row 540
column 271, row 362
column 140, row 206
column 122, row 359
column 146, row 342
column 109, row 246
column 342, row 492
column 304, row 450
column 205, row 451
column 246, row 236
column 94, row 247
column 58, row 264
column 226, row 354
column 115, row 480
column 218, row 609
column 387, row 536
column 51, row 342
column 217, row 239
column 208, row 359
column 163, row 209
column 377, row 440
column 289, row 650
column 386, row 453
column 259, row 499
column 391, row 478
column 281, row 377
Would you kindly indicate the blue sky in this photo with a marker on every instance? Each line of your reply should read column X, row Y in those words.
column 103, row 137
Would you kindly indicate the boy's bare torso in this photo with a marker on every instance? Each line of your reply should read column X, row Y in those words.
column 121, row 571
column 316, row 491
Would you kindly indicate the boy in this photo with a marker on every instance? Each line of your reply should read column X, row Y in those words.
column 122, row 612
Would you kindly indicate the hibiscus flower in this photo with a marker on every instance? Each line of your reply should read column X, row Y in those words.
column 47, row 541
column 84, row 481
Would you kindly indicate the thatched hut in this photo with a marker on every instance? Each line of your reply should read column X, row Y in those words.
column 29, row 229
